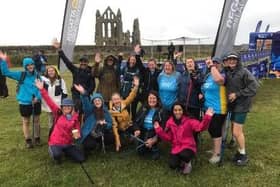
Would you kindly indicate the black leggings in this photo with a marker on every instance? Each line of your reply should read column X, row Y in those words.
column 175, row 159
column 91, row 143
column 216, row 124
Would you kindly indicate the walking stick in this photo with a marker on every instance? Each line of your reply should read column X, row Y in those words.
column 85, row 171
column 33, row 121
column 224, row 139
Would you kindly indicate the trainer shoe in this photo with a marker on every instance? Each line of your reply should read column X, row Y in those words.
column 187, row 168
column 242, row 161
column 215, row 159
column 29, row 144
column 236, row 156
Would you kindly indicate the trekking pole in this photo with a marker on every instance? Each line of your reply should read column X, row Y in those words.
column 85, row 171
column 224, row 139
column 138, row 139
column 33, row 121
column 103, row 144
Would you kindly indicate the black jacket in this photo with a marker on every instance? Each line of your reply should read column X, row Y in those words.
column 80, row 76
column 138, row 123
column 244, row 84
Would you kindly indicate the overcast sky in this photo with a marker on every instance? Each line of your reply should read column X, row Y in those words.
column 36, row 22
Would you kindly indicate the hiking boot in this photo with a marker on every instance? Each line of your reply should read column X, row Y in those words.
column 242, row 160
column 187, row 168
column 37, row 141
column 29, row 144
column 215, row 159
column 236, row 157
column 231, row 144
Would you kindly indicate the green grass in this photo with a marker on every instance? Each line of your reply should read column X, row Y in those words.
column 22, row 167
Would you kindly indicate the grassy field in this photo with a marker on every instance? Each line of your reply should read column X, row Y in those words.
column 22, row 167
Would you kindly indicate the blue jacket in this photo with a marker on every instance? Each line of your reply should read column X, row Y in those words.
column 90, row 120
column 27, row 89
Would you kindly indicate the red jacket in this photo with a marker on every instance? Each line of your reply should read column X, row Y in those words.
column 181, row 136
column 62, row 131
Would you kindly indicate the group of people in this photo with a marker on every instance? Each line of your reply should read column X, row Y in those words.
column 145, row 104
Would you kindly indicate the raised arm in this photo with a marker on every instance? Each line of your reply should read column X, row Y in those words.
column 54, row 108
column 129, row 99
column 164, row 135
column 5, row 70
column 198, row 126
column 87, row 106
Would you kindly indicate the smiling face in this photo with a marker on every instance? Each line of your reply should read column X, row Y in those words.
column 66, row 109
column 116, row 100
column 152, row 100
column 132, row 61
column 232, row 63
column 97, row 102
column 51, row 73
column 168, row 68
column 178, row 111
column 152, row 65
column 83, row 64
column 190, row 65
column 30, row 67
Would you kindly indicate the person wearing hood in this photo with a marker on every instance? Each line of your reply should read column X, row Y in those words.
column 65, row 130
column 241, row 88
column 97, row 127
column 214, row 95
column 81, row 75
column 28, row 96
column 108, row 75
column 56, row 88
column 179, row 131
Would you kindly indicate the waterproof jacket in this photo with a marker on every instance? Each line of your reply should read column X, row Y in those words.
column 80, row 76
column 108, row 76
column 90, row 119
column 150, row 82
column 181, row 136
column 61, row 133
column 241, row 82
column 189, row 86
column 127, row 74
column 56, row 90
column 122, row 119
column 141, row 115
column 27, row 90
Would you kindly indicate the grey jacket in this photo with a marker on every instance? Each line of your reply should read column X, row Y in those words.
column 244, row 84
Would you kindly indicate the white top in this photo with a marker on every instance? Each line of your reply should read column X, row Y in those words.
column 51, row 91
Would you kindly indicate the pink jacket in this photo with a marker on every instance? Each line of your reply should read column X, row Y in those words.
column 62, row 131
column 181, row 136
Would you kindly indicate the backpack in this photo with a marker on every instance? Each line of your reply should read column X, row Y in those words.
column 21, row 79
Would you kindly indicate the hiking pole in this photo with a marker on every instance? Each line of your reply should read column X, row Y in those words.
column 33, row 120
column 85, row 171
column 136, row 138
column 103, row 144
column 224, row 139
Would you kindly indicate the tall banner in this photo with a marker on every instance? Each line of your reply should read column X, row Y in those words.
column 72, row 16
column 258, row 27
column 228, row 27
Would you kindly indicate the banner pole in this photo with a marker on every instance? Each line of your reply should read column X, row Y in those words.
column 65, row 10
column 218, row 31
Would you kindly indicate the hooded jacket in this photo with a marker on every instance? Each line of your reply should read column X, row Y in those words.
column 241, row 82
column 181, row 136
column 61, row 133
column 90, row 119
column 27, row 90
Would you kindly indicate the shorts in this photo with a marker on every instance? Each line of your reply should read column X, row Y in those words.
column 216, row 125
column 26, row 110
column 238, row 117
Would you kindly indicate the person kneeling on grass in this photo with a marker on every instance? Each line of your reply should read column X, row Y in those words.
column 66, row 127
column 118, row 108
column 97, row 128
column 179, row 131
column 144, row 128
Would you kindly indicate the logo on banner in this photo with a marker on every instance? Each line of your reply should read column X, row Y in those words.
column 75, row 4
column 235, row 12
